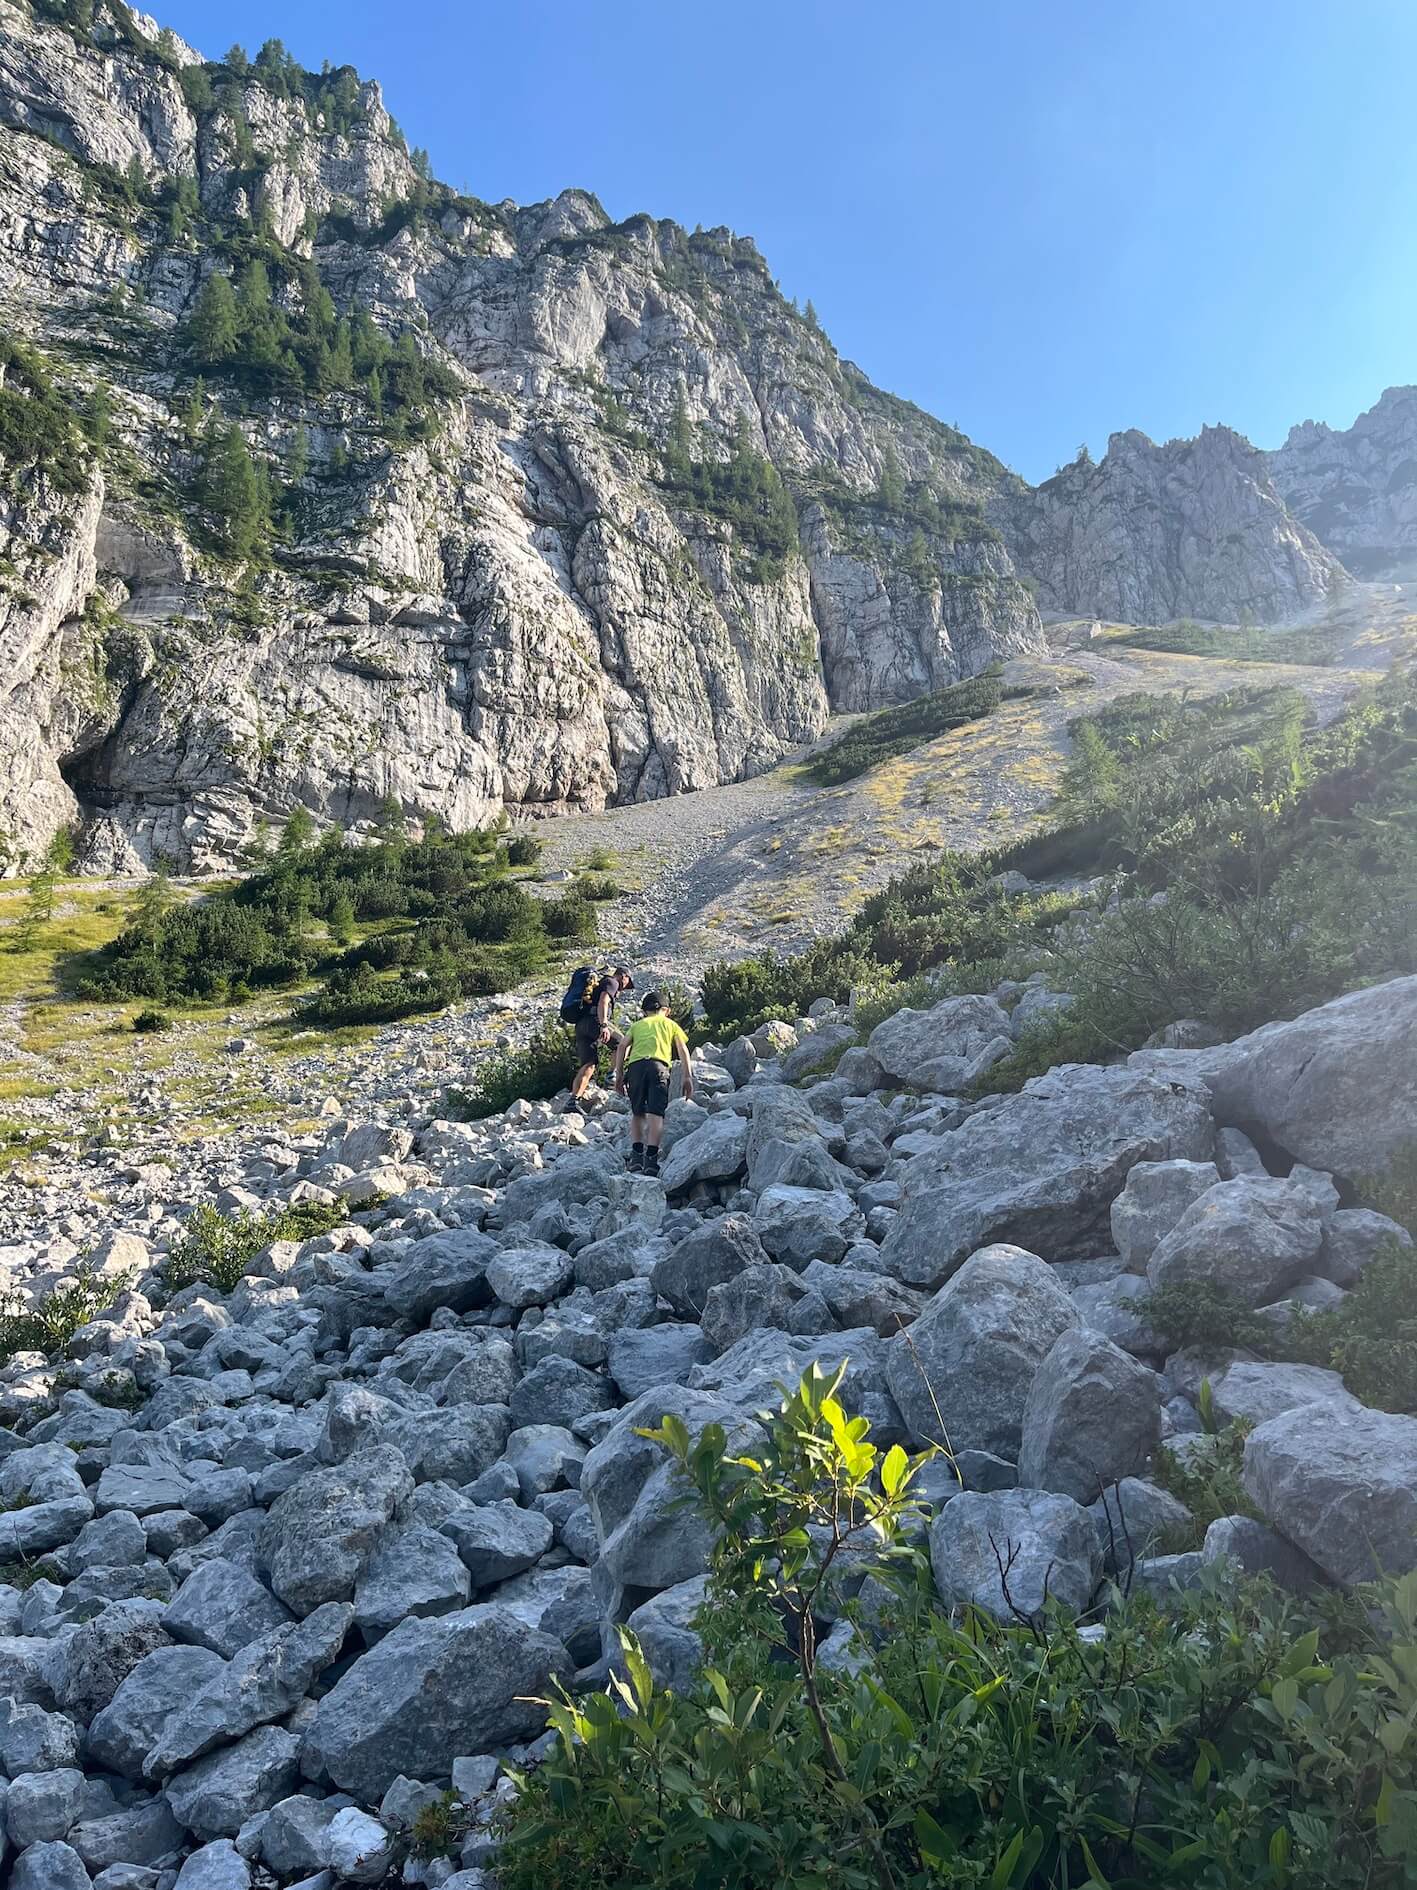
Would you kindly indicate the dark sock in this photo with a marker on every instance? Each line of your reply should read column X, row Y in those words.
column 637, row 1148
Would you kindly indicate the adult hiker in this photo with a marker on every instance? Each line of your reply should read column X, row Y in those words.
column 589, row 1008
column 642, row 1071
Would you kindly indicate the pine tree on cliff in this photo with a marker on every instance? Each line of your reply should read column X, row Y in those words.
column 214, row 331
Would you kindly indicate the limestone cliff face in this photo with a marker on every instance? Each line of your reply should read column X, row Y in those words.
column 552, row 596
column 1150, row 533
column 1356, row 489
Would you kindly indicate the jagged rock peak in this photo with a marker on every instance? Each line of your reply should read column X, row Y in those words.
column 1356, row 487
column 1193, row 527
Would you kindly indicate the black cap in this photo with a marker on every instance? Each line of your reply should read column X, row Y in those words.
column 623, row 971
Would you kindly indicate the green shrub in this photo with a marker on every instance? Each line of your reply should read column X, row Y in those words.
column 570, row 917
column 218, row 1248
column 599, row 886
column 150, row 1020
column 1370, row 1337
column 48, row 1325
column 1225, row 1742
column 538, row 1071
column 523, row 849
column 1209, row 1482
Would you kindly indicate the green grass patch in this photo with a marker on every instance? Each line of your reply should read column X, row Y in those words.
column 1246, row 643
column 895, row 731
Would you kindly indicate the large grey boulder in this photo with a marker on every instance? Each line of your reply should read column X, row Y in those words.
column 88, row 1668
column 703, row 1260
column 1259, row 1550
column 760, row 1297
column 1011, row 1551
column 782, row 1122
column 647, row 1537
column 858, row 1296
column 35, row 1740
column 216, row 1866
column 42, row 1807
column 1041, row 1170
column 756, row 1372
column 1155, row 1197
column 818, row 1051
column 969, row 1360
column 162, row 1683
column 465, row 1682
column 1134, row 1519
column 799, row 1225
column 223, row 1607
column 716, row 1151
column 944, row 1049
column 641, row 1357
column 667, row 1637
column 262, row 1682
column 1336, row 1087
column 50, row 1866
column 484, row 1374
column 1353, row 1239
column 1256, row 1392
column 574, row 1181
column 1341, row 1484
column 216, row 1796
column 498, row 1540
column 1249, row 1238
column 414, row 1570
column 444, row 1270
column 530, row 1276
column 558, row 1391
column 1092, row 1417
column 320, row 1533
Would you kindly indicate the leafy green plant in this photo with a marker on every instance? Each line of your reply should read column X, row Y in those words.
column 1225, row 1742
column 218, row 1248
column 149, row 1020
column 48, row 1325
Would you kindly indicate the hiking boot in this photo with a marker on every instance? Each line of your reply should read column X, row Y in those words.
column 635, row 1162
column 573, row 1108
column 651, row 1163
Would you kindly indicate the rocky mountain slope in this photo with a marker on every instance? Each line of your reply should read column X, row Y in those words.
column 529, row 509
column 1356, row 488
column 293, row 1552
column 1192, row 528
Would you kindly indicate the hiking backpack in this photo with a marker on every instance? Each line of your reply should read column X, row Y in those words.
column 580, row 994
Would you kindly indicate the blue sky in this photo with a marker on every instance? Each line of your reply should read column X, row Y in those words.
column 1043, row 220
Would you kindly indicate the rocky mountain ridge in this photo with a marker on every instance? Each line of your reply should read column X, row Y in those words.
column 1355, row 488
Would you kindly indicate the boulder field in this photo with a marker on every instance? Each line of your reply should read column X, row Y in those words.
column 285, row 1565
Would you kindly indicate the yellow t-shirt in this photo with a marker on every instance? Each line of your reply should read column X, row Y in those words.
column 655, row 1036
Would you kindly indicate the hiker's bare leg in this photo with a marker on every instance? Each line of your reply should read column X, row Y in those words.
column 580, row 1082
column 653, row 1127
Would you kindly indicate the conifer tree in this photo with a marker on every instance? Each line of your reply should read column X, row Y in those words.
column 214, row 331
column 297, row 834
column 299, row 462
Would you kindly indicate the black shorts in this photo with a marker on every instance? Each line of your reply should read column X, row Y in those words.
column 647, row 1080
column 588, row 1039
